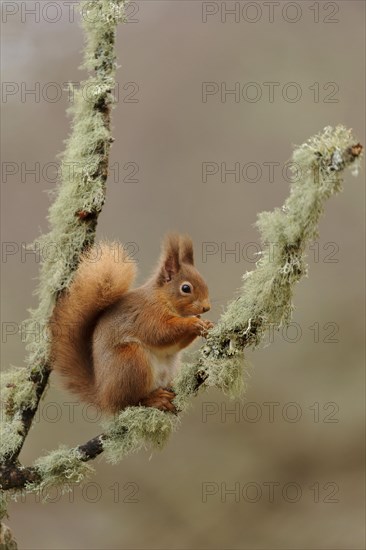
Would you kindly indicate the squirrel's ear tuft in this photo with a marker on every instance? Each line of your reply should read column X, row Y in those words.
column 186, row 250
column 170, row 263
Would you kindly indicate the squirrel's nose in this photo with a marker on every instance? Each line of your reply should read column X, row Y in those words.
column 206, row 308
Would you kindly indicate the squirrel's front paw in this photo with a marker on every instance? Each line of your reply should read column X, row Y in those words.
column 160, row 399
column 202, row 326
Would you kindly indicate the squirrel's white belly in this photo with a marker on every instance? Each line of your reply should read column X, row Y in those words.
column 164, row 365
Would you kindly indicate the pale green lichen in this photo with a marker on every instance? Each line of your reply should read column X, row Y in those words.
column 224, row 373
column 16, row 392
column 60, row 468
column 11, row 433
column 265, row 299
column 83, row 167
column 135, row 428
column 185, row 385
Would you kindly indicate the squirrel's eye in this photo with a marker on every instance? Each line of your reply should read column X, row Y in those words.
column 186, row 288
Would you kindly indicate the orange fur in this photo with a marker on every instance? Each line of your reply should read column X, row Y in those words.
column 104, row 274
column 125, row 343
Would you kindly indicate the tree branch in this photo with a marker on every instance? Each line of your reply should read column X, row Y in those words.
column 265, row 300
column 73, row 218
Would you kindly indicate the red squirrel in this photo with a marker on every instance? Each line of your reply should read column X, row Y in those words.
column 117, row 347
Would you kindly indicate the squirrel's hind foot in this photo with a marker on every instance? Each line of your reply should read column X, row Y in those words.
column 161, row 399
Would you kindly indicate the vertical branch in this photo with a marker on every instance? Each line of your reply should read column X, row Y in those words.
column 72, row 217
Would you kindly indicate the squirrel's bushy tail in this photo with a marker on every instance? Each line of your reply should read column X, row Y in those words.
column 104, row 274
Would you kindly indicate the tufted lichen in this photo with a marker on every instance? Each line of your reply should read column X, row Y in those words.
column 265, row 299
column 135, row 428
column 16, row 391
column 60, row 468
column 84, row 165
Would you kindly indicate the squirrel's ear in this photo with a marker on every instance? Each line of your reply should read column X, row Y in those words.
column 170, row 264
column 186, row 250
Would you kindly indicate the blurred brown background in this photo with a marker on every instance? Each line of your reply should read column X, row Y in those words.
column 293, row 452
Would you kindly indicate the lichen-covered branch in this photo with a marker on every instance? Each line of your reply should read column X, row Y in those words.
column 265, row 300
column 72, row 217
column 266, row 296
